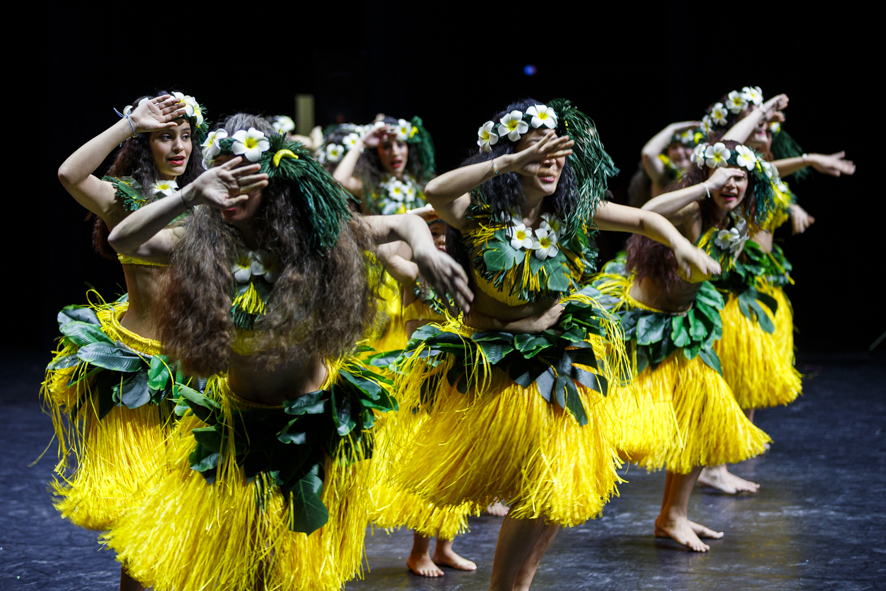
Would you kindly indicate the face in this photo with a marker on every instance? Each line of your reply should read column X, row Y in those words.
column 171, row 150
column 438, row 231
column 240, row 215
column 393, row 155
column 730, row 196
column 547, row 175
column 761, row 138
column 679, row 154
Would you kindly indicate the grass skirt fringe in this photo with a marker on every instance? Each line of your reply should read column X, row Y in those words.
column 502, row 441
column 713, row 428
column 115, row 456
column 784, row 324
column 753, row 365
column 392, row 507
column 185, row 534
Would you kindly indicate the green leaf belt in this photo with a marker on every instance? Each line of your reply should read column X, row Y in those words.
column 551, row 360
column 290, row 444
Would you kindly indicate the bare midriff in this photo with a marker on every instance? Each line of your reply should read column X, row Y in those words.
column 288, row 380
column 143, row 286
column 651, row 293
column 764, row 239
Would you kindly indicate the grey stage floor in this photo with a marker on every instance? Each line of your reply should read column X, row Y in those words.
column 818, row 522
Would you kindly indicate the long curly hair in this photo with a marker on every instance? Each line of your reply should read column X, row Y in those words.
column 322, row 303
column 370, row 170
column 652, row 259
column 503, row 192
column 134, row 159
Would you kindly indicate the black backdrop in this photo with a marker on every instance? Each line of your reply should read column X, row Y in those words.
column 632, row 68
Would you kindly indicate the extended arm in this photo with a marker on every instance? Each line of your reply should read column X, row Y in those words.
column 76, row 175
column 830, row 164
column 620, row 218
column 671, row 205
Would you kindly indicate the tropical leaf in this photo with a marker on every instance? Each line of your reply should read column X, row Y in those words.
column 84, row 333
column 308, row 513
column 110, row 357
column 78, row 313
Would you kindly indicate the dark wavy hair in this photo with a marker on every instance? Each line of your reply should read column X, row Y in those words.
column 652, row 259
column 503, row 192
column 322, row 303
column 370, row 171
column 134, row 159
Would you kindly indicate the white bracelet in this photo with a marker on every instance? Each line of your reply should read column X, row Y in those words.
column 707, row 191
column 805, row 157
column 495, row 170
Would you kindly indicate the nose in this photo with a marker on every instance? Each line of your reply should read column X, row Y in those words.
column 178, row 145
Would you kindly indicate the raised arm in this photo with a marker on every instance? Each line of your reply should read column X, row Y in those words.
column 652, row 164
column 829, row 164
column 143, row 234
column 76, row 175
column 671, row 205
column 741, row 131
column 438, row 268
column 344, row 172
column 620, row 218
column 450, row 193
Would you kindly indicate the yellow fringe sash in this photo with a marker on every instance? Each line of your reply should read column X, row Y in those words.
column 754, row 367
column 185, row 534
column 783, row 335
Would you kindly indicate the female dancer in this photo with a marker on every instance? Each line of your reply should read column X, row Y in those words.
column 519, row 416
column 108, row 379
column 672, row 320
column 390, row 176
column 271, row 286
column 665, row 158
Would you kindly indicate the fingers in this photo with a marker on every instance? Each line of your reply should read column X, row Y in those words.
column 253, row 187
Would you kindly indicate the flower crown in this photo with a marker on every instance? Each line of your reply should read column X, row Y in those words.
column 687, row 138
column 324, row 199
column 736, row 102
column 515, row 125
column 193, row 113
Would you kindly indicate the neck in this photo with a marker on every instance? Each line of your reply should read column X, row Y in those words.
column 533, row 209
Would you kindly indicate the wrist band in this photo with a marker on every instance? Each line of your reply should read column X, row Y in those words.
column 707, row 191
column 805, row 157
column 181, row 195
column 122, row 116
column 495, row 170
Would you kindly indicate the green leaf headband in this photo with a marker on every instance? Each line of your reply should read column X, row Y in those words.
column 289, row 162
column 719, row 156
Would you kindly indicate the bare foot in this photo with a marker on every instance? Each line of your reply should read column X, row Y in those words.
column 443, row 554
column 766, row 447
column 681, row 532
column 704, row 532
column 720, row 478
column 498, row 509
column 422, row 564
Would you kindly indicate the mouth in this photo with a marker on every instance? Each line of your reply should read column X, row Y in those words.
column 177, row 160
column 396, row 164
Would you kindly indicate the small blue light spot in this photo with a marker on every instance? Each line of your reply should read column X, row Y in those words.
column 529, row 70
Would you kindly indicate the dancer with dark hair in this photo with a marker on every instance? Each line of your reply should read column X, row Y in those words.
column 672, row 319
column 268, row 284
column 664, row 160
column 511, row 409
column 108, row 387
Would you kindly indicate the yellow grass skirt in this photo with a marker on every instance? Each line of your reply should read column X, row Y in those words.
column 115, row 456
column 783, row 335
column 713, row 429
column 503, row 441
column 754, row 365
column 184, row 534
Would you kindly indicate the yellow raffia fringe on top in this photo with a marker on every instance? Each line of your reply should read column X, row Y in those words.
column 502, row 441
column 643, row 419
column 756, row 371
column 250, row 301
column 784, row 323
column 116, row 456
column 185, row 534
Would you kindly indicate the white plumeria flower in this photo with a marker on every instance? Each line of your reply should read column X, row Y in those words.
column 686, row 137
column 241, row 267
column 410, row 193
column 403, row 130
column 746, row 157
column 165, row 188
column 717, row 156
column 334, row 152
column 542, row 115
column 128, row 108
column 210, row 145
column 350, row 141
column 192, row 107
column 735, row 102
column 283, row 124
column 397, row 191
column 545, row 244
column 263, row 264
column 753, row 95
column 513, row 126
column 521, row 236
column 782, row 186
column 551, row 223
column 707, row 125
column 698, row 154
column 486, row 137
column 719, row 114
column 250, row 144
column 728, row 240
column 767, row 168
column 775, row 127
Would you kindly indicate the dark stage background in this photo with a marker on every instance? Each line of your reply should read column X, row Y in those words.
column 633, row 68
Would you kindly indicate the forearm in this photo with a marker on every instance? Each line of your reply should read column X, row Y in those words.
column 656, row 227
column 668, row 204
column 741, row 131
column 82, row 163
column 344, row 172
column 652, row 164
column 787, row 166
column 141, row 226
column 451, row 185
